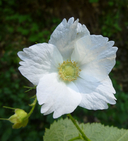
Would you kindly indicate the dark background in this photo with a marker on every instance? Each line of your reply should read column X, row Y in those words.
column 23, row 23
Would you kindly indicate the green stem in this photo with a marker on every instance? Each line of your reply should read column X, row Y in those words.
column 77, row 126
column 33, row 107
column 9, row 107
column 29, row 88
column 3, row 119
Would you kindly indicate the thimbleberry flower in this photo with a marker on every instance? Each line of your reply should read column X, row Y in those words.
column 71, row 70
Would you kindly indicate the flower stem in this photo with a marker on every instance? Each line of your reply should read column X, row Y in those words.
column 9, row 107
column 77, row 126
column 33, row 107
column 3, row 119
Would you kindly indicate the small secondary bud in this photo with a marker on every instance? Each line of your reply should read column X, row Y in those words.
column 19, row 119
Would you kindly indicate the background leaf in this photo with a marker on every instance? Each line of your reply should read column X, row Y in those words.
column 64, row 130
column 61, row 130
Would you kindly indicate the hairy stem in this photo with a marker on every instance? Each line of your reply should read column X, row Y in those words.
column 79, row 129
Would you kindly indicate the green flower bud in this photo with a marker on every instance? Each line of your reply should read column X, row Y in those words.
column 19, row 119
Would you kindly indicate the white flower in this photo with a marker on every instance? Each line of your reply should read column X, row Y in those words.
column 71, row 70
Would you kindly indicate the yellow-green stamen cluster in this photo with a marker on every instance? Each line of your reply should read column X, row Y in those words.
column 69, row 70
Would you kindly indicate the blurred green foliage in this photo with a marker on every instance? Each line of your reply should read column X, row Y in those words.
column 24, row 23
column 93, row 1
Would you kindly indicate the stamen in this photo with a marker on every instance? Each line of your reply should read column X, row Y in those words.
column 69, row 70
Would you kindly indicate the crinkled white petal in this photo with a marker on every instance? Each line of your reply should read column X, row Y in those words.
column 39, row 60
column 66, row 33
column 88, row 47
column 95, row 55
column 56, row 96
column 96, row 95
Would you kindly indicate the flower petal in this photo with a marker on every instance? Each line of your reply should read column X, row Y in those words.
column 87, row 46
column 38, row 60
column 56, row 96
column 96, row 95
column 65, row 34
column 95, row 55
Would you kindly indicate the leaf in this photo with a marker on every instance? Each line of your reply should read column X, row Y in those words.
column 64, row 130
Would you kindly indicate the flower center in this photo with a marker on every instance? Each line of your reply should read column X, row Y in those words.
column 69, row 70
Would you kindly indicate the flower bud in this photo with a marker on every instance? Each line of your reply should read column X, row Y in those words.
column 19, row 119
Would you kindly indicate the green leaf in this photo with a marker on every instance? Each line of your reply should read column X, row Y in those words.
column 64, row 130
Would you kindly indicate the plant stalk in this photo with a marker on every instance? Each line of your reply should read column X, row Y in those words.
column 79, row 129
